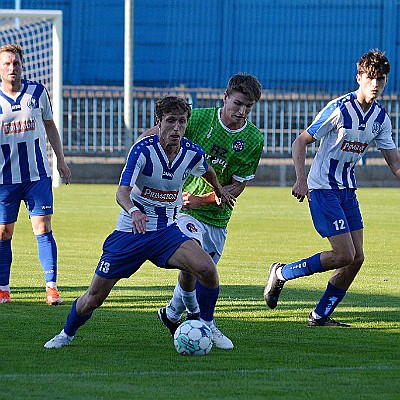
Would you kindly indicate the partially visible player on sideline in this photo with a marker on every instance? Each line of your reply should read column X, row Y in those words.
column 150, row 194
column 26, row 118
column 346, row 128
column 233, row 146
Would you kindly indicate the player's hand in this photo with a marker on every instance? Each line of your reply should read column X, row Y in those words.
column 64, row 171
column 300, row 190
column 139, row 222
column 224, row 197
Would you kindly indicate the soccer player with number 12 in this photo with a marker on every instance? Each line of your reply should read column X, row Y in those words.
column 346, row 128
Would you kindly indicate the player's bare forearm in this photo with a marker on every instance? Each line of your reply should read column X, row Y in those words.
column 191, row 201
column 392, row 158
column 123, row 197
column 55, row 142
column 235, row 188
column 139, row 220
column 54, row 138
column 300, row 188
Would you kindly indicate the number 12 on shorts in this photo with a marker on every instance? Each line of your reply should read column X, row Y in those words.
column 339, row 224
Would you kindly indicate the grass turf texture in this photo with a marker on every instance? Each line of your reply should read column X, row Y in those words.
column 124, row 352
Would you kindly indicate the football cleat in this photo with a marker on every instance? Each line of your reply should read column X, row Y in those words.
column 58, row 341
column 162, row 316
column 52, row 296
column 274, row 286
column 325, row 321
column 219, row 339
column 4, row 296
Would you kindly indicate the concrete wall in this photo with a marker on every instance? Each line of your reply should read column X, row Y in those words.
column 270, row 172
column 284, row 175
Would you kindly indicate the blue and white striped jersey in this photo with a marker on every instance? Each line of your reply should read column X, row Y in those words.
column 156, row 185
column 23, row 156
column 346, row 132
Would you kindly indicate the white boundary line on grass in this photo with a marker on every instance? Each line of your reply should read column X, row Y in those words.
column 190, row 373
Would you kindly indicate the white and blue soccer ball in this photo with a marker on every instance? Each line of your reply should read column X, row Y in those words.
column 193, row 338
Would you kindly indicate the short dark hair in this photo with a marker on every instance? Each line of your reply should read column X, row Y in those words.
column 374, row 64
column 247, row 84
column 172, row 105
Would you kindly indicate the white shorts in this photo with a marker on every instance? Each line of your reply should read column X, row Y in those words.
column 211, row 238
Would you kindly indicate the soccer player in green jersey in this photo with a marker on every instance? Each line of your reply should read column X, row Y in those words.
column 233, row 146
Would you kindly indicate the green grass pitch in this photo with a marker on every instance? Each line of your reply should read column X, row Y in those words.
column 124, row 352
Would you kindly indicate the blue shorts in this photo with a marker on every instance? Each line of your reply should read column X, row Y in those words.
column 335, row 211
column 125, row 252
column 38, row 198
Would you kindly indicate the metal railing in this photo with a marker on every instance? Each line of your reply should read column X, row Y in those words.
column 94, row 123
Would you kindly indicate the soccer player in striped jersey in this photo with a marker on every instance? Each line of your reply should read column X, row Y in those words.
column 26, row 119
column 346, row 128
column 233, row 146
column 150, row 195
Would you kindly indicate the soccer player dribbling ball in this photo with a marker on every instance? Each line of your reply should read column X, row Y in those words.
column 346, row 128
column 150, row 195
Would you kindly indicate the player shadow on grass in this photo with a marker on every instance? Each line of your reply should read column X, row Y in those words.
column 235, row 302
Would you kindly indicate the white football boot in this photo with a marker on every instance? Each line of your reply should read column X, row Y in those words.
column 219, row 339
column 58, row 341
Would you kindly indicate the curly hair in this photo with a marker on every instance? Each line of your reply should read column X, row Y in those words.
column 374, row 64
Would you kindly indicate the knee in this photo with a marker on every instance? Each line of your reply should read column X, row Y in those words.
column 357, row 262
column 41, row 225
column 343, row 258
column 6, row 232
column 352, row 261
column 5, row 236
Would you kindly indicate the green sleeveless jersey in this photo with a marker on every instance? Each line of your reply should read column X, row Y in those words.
column 233, row 154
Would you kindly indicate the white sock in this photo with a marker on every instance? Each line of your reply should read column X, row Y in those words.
column 279, row 274
column 315, row 315
column 176, row 307
column 5, row 288
column 190, row 301
column 51, row 285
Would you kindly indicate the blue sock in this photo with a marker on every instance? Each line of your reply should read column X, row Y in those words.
column 304, row 267
column 329, row 301
column 207, row 299
column 47, row 250
column 5, row 262
column 74, row 320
